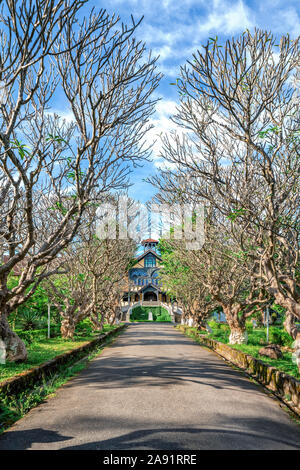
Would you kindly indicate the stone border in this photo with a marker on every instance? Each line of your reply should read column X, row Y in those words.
column 284, row 386
column 29, row 378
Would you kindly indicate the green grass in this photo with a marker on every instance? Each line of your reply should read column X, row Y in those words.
column 256, row 340
column 43, row 350
column 284, row 364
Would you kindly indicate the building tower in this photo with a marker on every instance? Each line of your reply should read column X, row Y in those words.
column 149, row 244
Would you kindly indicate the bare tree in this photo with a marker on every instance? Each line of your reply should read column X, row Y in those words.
column 178, row 278
column 70, row 293
column 50, row 171
column 239, row 150
column 220, row 274
column 90, row 286
column 107, row 264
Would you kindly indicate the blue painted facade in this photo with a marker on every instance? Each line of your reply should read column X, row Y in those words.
column 143, row 279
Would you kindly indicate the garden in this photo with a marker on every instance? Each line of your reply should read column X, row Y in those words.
column 141, row 314
column 257, row 339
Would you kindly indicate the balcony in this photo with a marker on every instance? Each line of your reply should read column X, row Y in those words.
column 150, row 303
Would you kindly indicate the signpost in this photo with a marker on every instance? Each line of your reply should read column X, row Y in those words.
column 49, row 306
column 267, row 324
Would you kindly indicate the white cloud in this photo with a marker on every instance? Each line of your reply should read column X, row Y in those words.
column 169, row 70
column 180, row 36
column 67, row 115
column 289, row 22
column 161, row 124
column 163, row 52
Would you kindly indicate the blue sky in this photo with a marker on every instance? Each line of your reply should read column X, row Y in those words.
column 174, row 29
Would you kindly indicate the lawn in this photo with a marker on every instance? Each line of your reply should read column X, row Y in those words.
column 43, row 350
column 256, row 340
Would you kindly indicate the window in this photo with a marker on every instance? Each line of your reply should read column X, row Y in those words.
column 150, row 261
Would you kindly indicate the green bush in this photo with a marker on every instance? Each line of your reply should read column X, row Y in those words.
column 163, row 317
column 34, row 335
column 84, row 327
column 257, row 337
column 159, row 313
column 279, row 336
column 214, row 325
column 224, row 327
column 275, row 335
column 30, row 320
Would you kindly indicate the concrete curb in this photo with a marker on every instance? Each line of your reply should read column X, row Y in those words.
column 31, row 377
column 283, row 386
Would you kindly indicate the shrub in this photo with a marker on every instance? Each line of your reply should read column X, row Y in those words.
column 279, row 336
column 34, row 335
column 223, row 327
column 141, row 313
column 214, row 325
column 29, row 320
column 84, row 327
column 257, row 337
column 163, row 317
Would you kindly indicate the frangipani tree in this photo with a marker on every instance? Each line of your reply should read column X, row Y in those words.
column 239, row 150
column 51, row 170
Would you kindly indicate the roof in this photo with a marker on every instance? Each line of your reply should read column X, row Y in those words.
column 146, row 253
column 149, row 240
column 155, row 288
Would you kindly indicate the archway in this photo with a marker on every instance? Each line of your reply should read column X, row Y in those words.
column 150, row 296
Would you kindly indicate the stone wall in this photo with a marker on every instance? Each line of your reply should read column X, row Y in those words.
column 29, row 378
column 284, row 386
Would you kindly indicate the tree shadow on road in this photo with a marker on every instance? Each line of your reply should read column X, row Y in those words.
column 196, row 439
column 222, row 438
column 256, row 434
column 113, row 372
column 21, row 440
column 118, row 369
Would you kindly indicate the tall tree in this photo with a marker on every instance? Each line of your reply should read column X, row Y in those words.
column 239, row 149
column 51, row 170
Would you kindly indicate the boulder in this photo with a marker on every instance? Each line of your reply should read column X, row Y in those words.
column 272, row 350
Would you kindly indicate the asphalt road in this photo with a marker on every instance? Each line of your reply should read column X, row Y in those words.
column 156, row 389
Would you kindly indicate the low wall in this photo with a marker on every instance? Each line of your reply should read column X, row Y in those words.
column 29, row 378
column 284, row 386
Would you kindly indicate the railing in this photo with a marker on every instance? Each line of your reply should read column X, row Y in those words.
column 150, row 303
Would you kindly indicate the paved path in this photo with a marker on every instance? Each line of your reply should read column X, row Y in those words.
column 156, row 389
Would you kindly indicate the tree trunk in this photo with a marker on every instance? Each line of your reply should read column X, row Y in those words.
column 183, row 316
column 67, row 328
column 118, row 315
column 238, row 333
column 293, row 331
column 96, row 323
column 112, row 318
column 285, row 299
column 202, row 324
column 15, row 349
